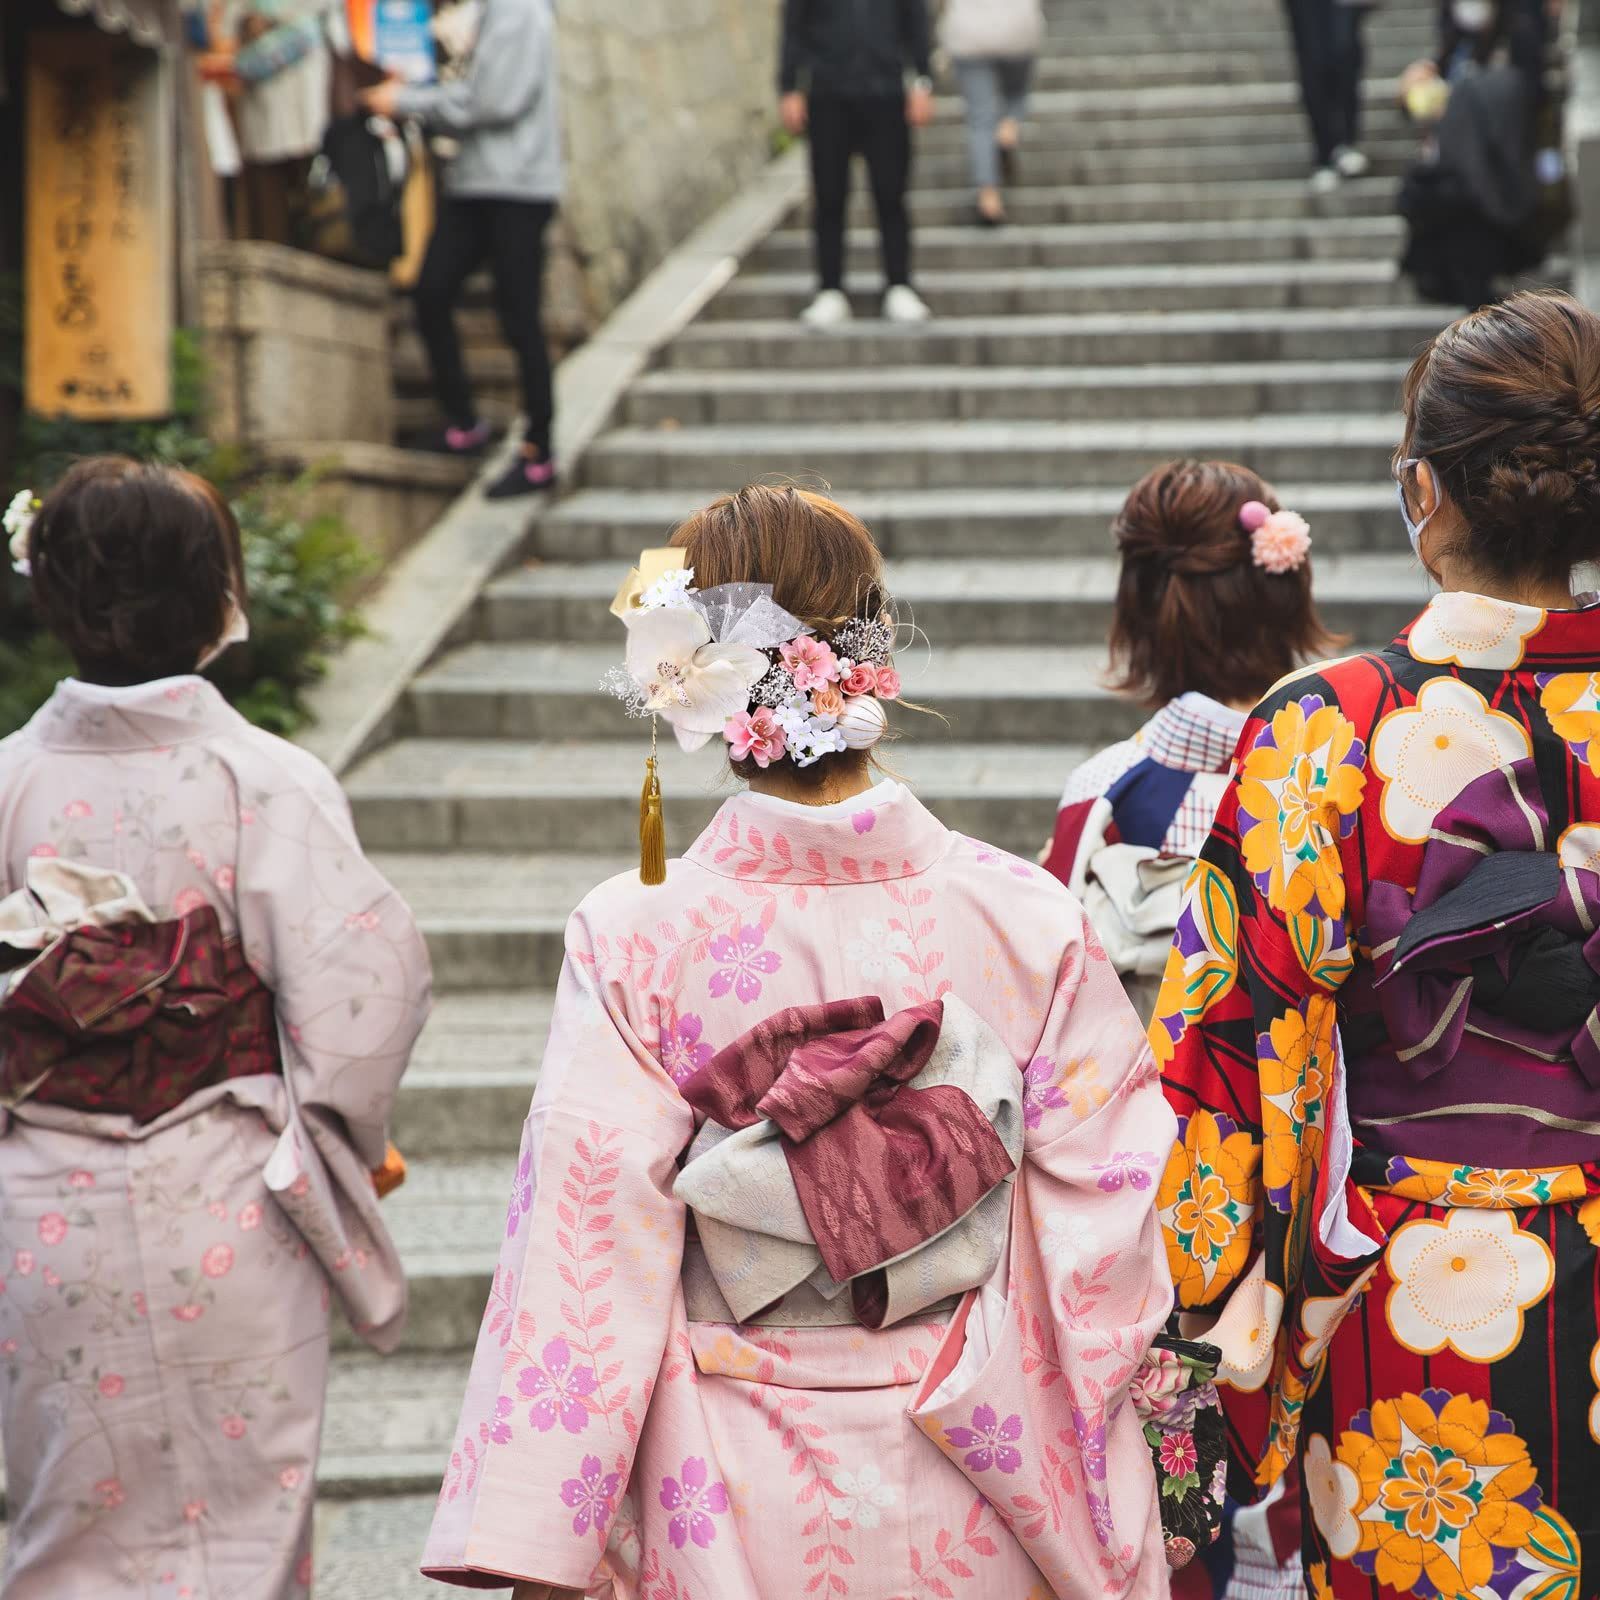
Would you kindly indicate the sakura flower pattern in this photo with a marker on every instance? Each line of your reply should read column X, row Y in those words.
column 592, row 1495
column 693, row 1502
column 1069, row 1240
column 989, row 1442
column 877, row 949
column 1041, row 1091
column 742, row 964
column 558, row 1390
column 863, row 1496
column 521, row 1194
column 1126, row 1167
column 500, row 1429
column 683, row 1051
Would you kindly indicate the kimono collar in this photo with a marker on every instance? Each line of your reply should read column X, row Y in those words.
column 1472, row 630
column 142, row 716
column 1193, row 733
column 887, row 833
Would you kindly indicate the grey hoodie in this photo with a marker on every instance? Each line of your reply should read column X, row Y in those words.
column 506, row 111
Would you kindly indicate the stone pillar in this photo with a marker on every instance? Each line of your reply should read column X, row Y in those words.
column 296, row 348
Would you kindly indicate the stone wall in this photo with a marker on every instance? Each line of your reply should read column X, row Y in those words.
column 670, row 107
column 296, row 347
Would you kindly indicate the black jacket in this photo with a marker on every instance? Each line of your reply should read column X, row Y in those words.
column 853, row 48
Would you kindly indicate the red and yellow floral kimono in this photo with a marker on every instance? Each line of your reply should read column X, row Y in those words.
column 1380, row 1029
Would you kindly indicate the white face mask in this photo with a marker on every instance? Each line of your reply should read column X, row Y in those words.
column 236, row 632
column 1472, row 16
column 1413, row 528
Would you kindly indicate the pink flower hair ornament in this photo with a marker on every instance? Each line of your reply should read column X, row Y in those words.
column 1280, row 541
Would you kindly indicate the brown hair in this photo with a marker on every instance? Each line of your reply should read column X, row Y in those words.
column 1504, row 405
column 135, row 568
column 821, row 561
column 1193, row 610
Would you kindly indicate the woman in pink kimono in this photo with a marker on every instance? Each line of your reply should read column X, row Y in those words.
column 207, row 997
column 831, row 1260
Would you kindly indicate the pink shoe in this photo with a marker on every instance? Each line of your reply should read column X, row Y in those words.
column 523, row 477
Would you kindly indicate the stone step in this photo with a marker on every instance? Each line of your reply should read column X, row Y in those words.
column 1050, row 135
column 981, row 599
column 688, row 399
column 694, row 399
column 965, row 248
column 1374, row 333
column 471, row 794
column 1114, row 30
column 1156, row 102
column 614, row 525
column 370, row 1549
column 390, row 1421
column 1180, row 200
column 1020, row 455
column 1088, row 291
column 1052, row 167
column 1269, row 63
column 475, row 1066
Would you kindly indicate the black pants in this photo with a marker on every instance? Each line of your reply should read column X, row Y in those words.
column 509, row 235
column 877, row 129
column 1328, row 46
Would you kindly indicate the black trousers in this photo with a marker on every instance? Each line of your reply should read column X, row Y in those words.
column 509, row 235
column 875, row 128
column 1329, row 48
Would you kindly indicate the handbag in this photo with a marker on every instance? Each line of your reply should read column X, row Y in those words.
column 1175, row 1396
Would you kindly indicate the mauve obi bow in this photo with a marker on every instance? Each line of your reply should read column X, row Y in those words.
column 848, row 1151
column 1499, row 939
column 108, row 1010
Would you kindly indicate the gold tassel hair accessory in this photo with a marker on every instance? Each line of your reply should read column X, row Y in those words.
column 652, row 825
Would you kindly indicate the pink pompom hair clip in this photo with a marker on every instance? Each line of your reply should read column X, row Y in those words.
column 1280, row 541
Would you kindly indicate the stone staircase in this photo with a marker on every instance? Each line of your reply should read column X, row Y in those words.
column 1169, row 287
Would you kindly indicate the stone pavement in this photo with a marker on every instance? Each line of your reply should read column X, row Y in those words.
column 1170, row 288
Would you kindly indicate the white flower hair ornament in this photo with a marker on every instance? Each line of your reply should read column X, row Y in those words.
column 18, row 523
column 730, row 661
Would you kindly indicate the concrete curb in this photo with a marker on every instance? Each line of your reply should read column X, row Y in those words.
column 430, row 590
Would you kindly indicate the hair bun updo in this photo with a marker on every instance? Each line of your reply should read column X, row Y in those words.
column 1504, row 406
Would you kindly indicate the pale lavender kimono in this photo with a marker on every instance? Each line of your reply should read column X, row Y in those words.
column 165, row 1289
column 618, row 1439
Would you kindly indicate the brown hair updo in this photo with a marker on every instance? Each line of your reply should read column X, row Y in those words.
column 135, row 568
column 1504, row 405
column 821, row 561
column 1193, row 611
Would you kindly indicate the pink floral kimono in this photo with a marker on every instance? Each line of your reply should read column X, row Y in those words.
column 624, row 1434
column 165, row 1282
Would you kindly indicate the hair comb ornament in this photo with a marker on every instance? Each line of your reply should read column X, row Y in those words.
column 730, row 661
column 18, row 523
column 1280, row 541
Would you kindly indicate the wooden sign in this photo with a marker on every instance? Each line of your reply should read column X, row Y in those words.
column 98, row 233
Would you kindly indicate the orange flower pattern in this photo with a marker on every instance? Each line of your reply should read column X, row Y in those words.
column 1207, row 1203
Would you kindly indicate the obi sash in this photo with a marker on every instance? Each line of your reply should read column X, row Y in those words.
column 108, row 1010
column 843, row 1151
column 1477, row 1039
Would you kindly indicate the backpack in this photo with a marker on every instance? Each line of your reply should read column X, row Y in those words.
column 356, row 185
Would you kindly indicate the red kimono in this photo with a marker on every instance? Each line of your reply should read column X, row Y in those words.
column 1380, row 1029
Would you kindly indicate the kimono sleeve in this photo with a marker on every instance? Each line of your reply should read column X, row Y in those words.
column 332, row 939
column 580, row 1310
column 1245, row 1034
column 1088, row 1292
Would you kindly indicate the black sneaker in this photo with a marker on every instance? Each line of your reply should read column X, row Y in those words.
column 1008, row 164
column 523, row 477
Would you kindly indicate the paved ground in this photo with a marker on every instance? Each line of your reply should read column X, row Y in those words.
column 1170, row 288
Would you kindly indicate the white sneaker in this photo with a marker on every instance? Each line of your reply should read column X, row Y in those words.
column 1351, row 163
column 831, row 309
column 1325, row 180
column 903, row 304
